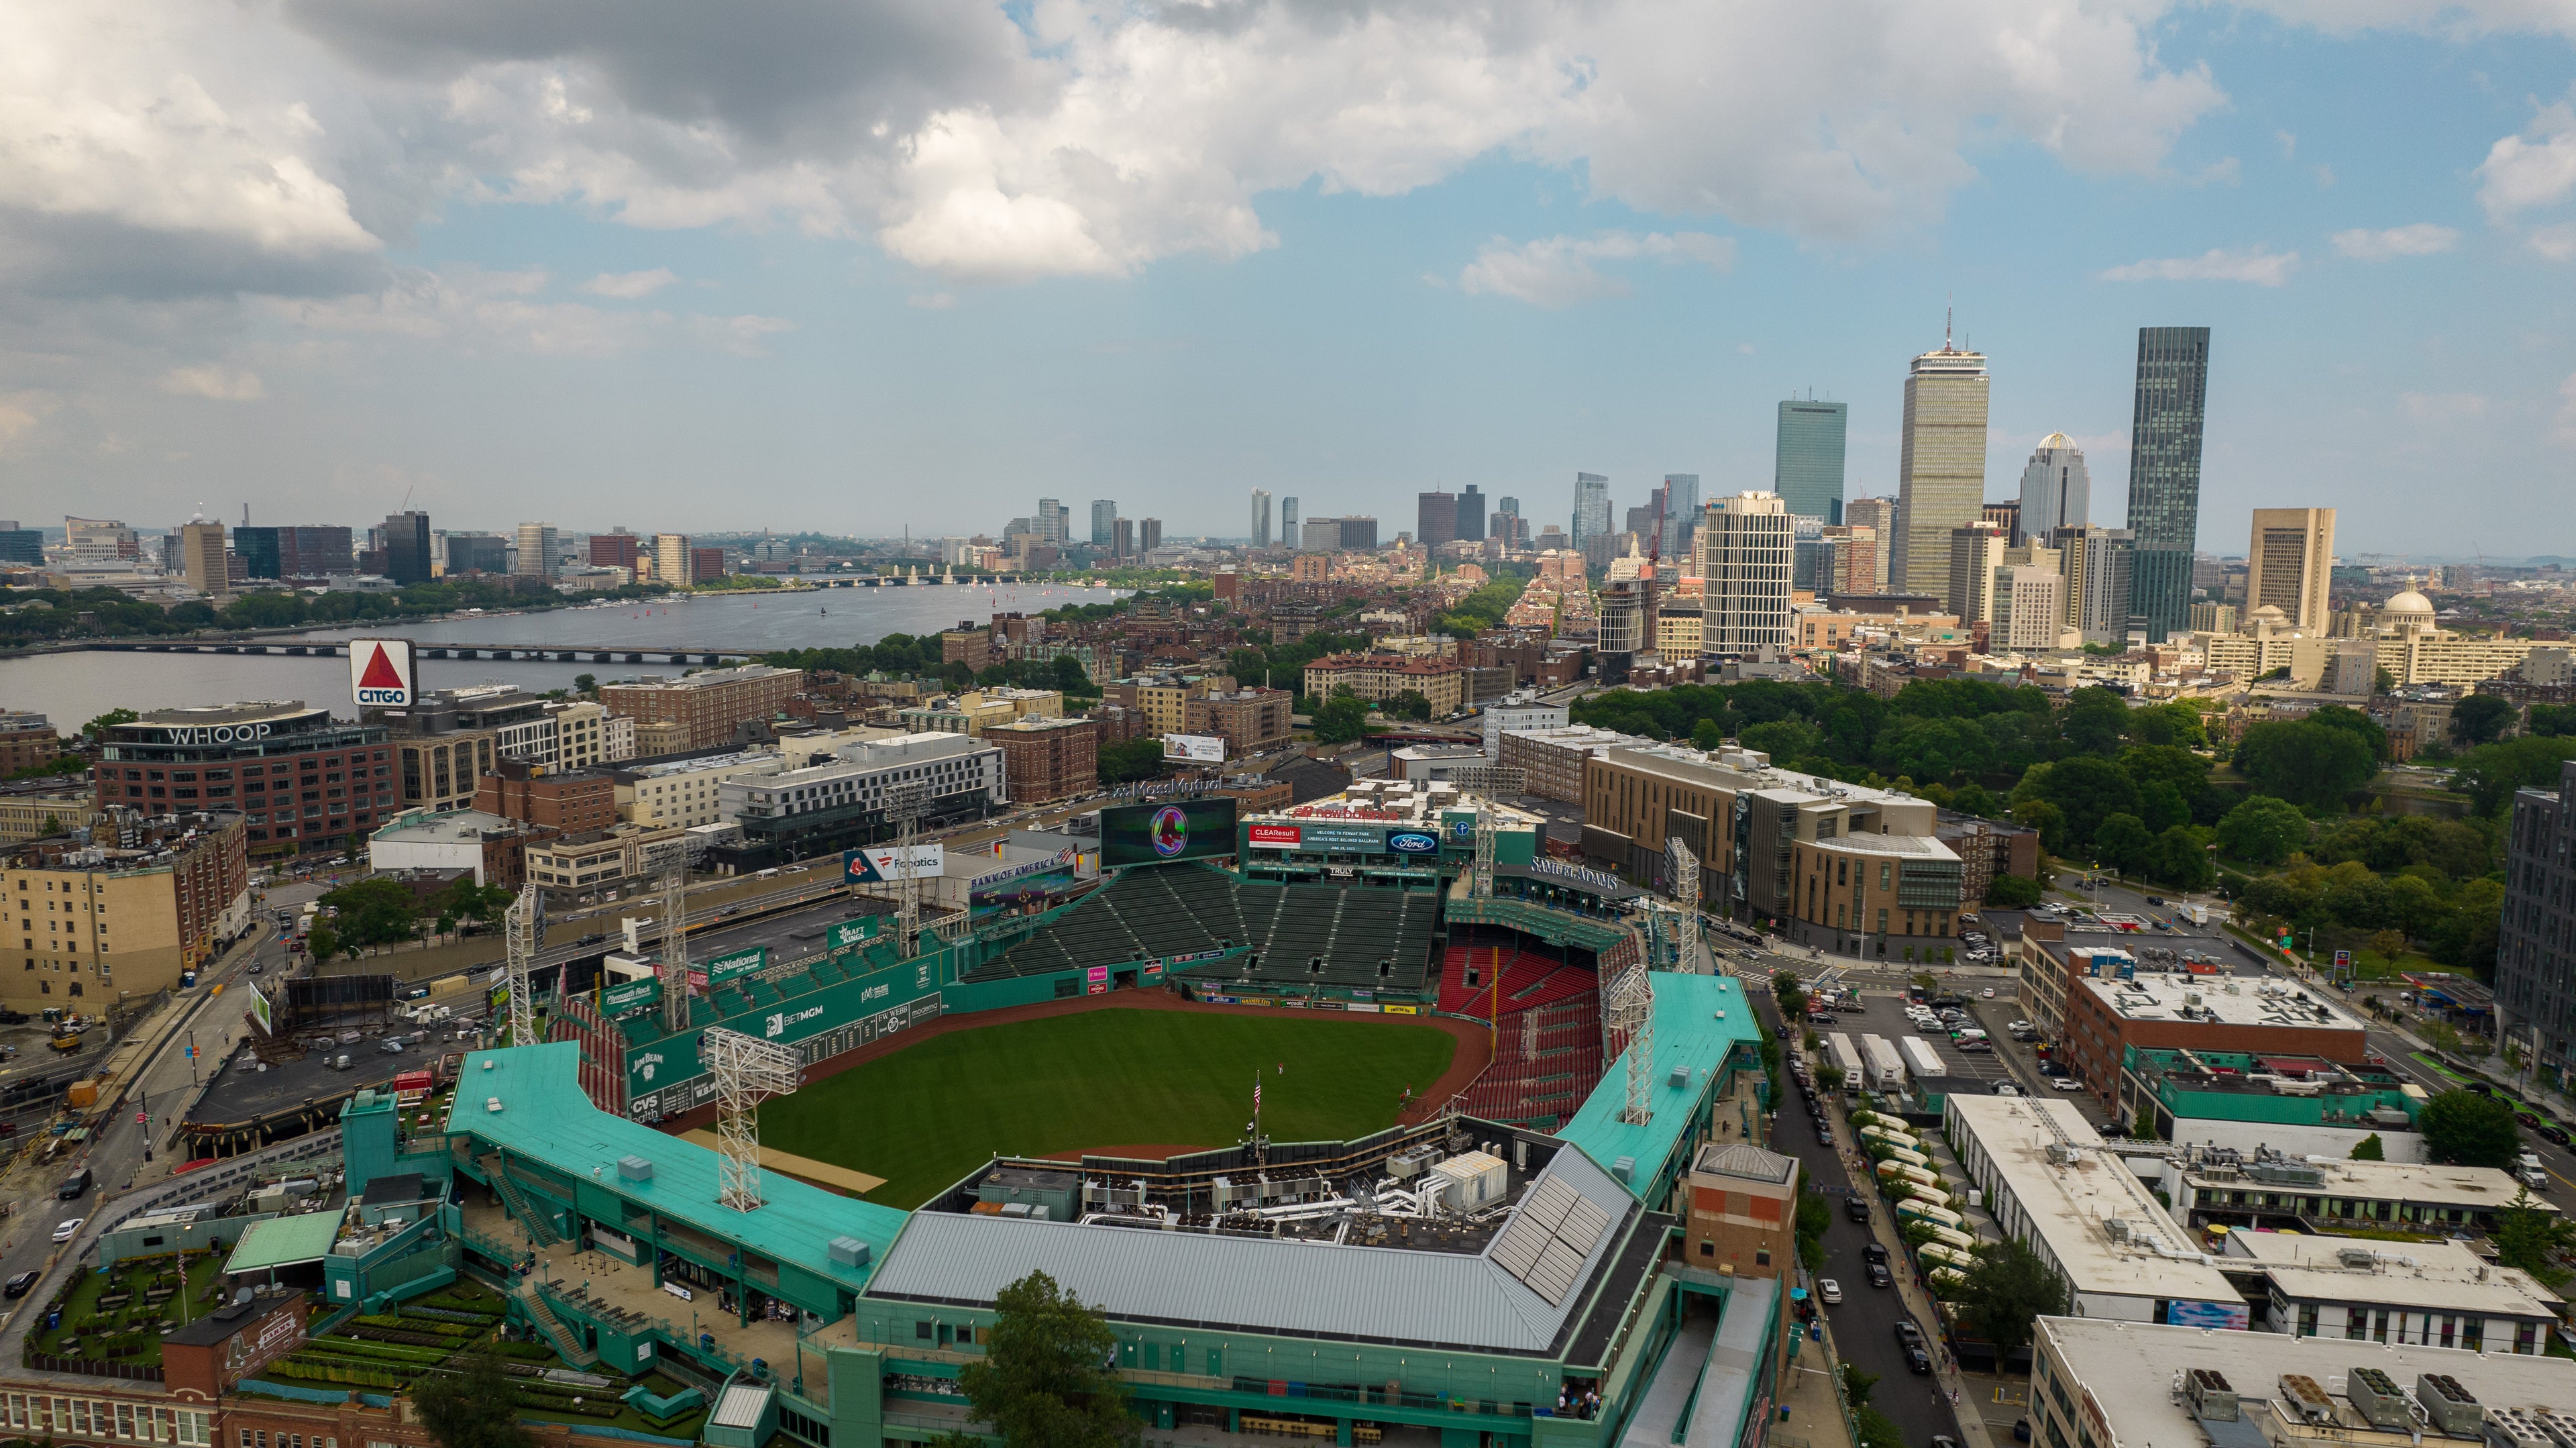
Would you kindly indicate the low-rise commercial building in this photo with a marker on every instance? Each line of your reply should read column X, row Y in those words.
column 1519, row 712
column 2052, row 1183
column 2123, row 1385
column 686, row 792
column 797, row 814
column 1250, row 721
column 1552, row 759
column 2218, row 1186
column 2295, row 1104
column 704, row 707
column 492, row 849
column 26, row 741
column 31, row 809
column 301, row 778
column 2367, row 1289
column 1164, row 698
column 572, row 801
column 122, row 917
column 600, row 858
column 972, row 714
column 2113, row 1002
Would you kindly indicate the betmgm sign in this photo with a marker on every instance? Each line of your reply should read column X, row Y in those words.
column 383, row 673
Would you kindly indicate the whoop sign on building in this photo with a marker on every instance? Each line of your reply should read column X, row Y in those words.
column 382, row 673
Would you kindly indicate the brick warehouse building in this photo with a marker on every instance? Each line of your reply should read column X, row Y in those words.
column 571, row 801
column 302, row 779
column 705, row 707
column 1047, row 759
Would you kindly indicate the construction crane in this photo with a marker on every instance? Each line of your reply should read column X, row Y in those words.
column 748, row 1071
column 523, row 927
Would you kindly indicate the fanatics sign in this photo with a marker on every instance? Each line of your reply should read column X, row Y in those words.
column 381, row 673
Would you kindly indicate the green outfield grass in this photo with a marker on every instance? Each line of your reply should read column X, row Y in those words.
column 925, row 1116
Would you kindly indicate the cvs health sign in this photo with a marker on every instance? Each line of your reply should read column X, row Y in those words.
column 381, row 673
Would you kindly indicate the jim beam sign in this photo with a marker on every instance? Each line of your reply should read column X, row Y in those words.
column 382, row 673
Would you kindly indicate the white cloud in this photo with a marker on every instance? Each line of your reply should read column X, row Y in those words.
column 2423, row 238
column 2534, row 169
column 21, row 411
column 740, row 335
column 213, row 382
column 627, row 286
column 2557, row 242
column 1558, row 271
column 2255, row 264
column 479, row 309
column 2443, row 407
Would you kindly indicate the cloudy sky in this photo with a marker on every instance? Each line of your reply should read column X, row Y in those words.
column 864, row 266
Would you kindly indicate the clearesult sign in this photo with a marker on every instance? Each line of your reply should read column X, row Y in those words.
column 382, row 673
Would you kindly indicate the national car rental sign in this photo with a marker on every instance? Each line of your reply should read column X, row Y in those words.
column 381, row 673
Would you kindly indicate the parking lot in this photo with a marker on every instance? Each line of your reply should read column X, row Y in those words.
column 1884, row 1015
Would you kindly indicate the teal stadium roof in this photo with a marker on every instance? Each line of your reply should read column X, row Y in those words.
column 285, row 1241
column 545, row 1116
column 1698, row 1019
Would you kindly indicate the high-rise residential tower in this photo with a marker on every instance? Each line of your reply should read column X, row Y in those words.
column 201, row 558
column 1680, row 499
column 2288, row 565
column 1879, row 516
column 1747, row 554
column 2164, row 473
column 1288, row 521
column 1976, row 551
column 1591, row 508
column 1807, row 468
column 1104, row 522
column 2097, row 563
column 1260, row 518
column 2056, row 491
column 1471, row 515
column 1941, row 468
column 1435, row 518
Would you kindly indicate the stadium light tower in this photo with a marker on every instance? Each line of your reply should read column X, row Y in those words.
column 1482, row 886
column 523, row 927
column 1686, row 895
column 748, row 1070
column 675, row 937
column 906, row 802
column 1628, row 1010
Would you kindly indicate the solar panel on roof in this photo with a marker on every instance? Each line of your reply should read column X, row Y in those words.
column 1550, row 1202
column 1519, row 1245
column 1554, row 1274
column 1583, row 1226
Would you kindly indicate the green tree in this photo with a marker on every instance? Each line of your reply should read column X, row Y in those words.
column 2175, row 724
column 97, row 728
column 2354, row 722
column 1857, row 1384
column 2480, row 719
column 374, row 912
column 2304, row 762
column 2006, row 1292
column 584, row 683
column 1130, row 760
column 1410, row 704
column 2531, row 1239
column 2464, row 1128
column 2490, row 773
column 2088, row 789
column 2181, row 859
column 2095, row 721
column 1342, row 718
column 1792, row 996
column 2370, row 1148
column 323, row 941
column 1049, row 1377
column 2551, row 720
column 2123, row 841
column 2262, row 830
column 2012, row 892
column 473, row 1407
column 1829, row 1079
column 1815, row 1218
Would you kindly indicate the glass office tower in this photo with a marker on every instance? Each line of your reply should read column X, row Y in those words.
column 1807, row 468
column 2164, row 474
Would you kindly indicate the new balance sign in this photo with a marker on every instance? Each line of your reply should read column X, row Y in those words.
column 381, row 673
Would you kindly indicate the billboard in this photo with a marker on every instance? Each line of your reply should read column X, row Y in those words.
column 849, row 932
column 1154, row 834
column 877, row 864
column 382, row 673
column 1274, row 837
column 2235, row 1316
column 742, row 962
column 1194, row 748
column 627, row 995
column 259, row 1012
column 1412, row 842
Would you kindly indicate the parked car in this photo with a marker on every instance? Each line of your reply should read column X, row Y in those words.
column 2021, row 1430
column 18, row 1285
column 1918, row 1362
column 1878, row 1275
column 1909, row 1333
column 1874, row 1252
column 64, row 1232
column 1830, row 1290
column 1977, row 1047
column 2067, row 1083
column 1856, row 1208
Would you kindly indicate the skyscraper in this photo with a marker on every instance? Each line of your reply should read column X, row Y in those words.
column 1104, row 522
column 540, row 550
column 1149, row 534
column 1122, row 538
column 2097, row 563
column 2164, row 473
column 1681, row 515
column 1260, row 518
column 1879, row 516
column 1054, row 522
column 1807, row 467
column 407, row 547
column 1288, row 521
column 1747, row 551
column 1941, row 470
column 1471, row 515
column 1591, row 508
column 2288, row 563
column 201, row 558
column 2056, row 490
column 1976, row 551
column 1435, row 518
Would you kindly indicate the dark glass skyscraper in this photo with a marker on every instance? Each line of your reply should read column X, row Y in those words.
column 2164, row 474
column 1807, row 470
column 407, row 547
column 1471, row 515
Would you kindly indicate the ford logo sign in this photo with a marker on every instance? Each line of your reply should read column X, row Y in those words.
column 1413, row 842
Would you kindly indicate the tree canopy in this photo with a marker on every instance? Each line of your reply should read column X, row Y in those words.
column 2006, row 1292
column 2305, row 762
column 2463, row 1128
column 473, row 1407
column 1049, row 1376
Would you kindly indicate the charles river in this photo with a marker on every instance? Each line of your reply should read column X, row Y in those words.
column 73, row 688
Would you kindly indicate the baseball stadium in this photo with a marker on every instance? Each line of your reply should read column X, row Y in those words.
column 1344, row 1143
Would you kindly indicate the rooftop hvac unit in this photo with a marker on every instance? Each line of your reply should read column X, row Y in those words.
column 1625, row 1169
column 2515, row 1428
column 2356, row 1256
column 847, row 1251
column 2451, row 1407
column 2301, row 1396
column 2375, row 1396
column 1680, row 1076
column 1015, row 1209
column 2558, row 1423
column 2115, row 1229
column 634, row 1169
column 1405, row 1166
column 2211, row 1396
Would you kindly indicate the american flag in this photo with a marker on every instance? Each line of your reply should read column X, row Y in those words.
column 1256, row 1094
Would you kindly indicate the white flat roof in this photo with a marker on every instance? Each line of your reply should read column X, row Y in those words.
column 2227, row 1000
column 2127, row 1371
column 2482, row 1188
column 2440, row 1275
column 2071, row 1204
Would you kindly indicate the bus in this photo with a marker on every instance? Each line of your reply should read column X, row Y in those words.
column 1914, row 1211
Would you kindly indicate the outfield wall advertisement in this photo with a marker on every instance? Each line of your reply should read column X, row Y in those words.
column 667, row 1077
column 742, row 962
column 1154, row 834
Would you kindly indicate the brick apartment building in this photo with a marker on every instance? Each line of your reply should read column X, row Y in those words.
column 573, row 801
column 88, row 922
column 1047, row 759
column 2101, row 1005
column 700, row 711
column 302, row 779
column 1379, row 678
column 26, row 740
column 968, row 645
column 1250, row 721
